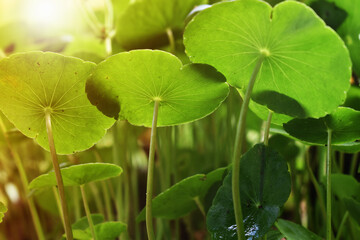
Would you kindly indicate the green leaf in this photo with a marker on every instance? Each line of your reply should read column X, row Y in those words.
column 144, row 23
column 34, row 82
column 353, row 207
column 109, row 230
column 274, row 235
column 181, row 198
column 78, row 175
column 350, row 29
column 83, row 222
column 345, row 186
column 3, row 210
column 353, row 98
column 350, row 147
column 264, row 187
column 300, row 52
column 293, row 231
column 343, row 123
column 132, row 81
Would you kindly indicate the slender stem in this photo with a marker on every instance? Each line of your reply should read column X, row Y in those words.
column 353, row 164
column 200, row 206
column 240, row 133
column 149, row 187
column 315, row 183
column 267, row 129
column 328, row 187
column 58, row 204
column 59, row 180
column 171, row 38
column 87, row 211
column 342, row 224
column 25, row 183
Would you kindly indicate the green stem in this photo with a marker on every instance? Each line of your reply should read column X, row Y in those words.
column 59, row 179
column 58, row 204
column 149, row 187
column 87, row 211
column 25, row 183
column 342, row 224
column 171, row 38
column 328, row 187
column 267, row 129
column 240, row 133
column 353, row 164
column 315, row 183
column 200, row 206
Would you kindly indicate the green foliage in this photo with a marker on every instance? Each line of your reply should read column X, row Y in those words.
column 263, row 173
column 144, row 23
column 293, row 231
column 182, row 197
column 3, row 210
column 350, row 29
column 36, row 82
column 300, row 52
column 343, row 123
column 78, row 175
column 127, row 84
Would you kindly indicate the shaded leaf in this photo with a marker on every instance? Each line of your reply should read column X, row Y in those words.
column 77, row 175
column 264, row 187
column 293, row 231
column 343, row 123
column 180, row 199
column 83, row 222
column 144, row 23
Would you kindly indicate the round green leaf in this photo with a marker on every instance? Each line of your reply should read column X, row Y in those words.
column 144, row 23
column 300, row 54
column 350, row 29
column 264, row 187
column 35, row 82
column 103, row 231
column 293, row 231
column 181, row 198
column 3, row 210
column 132, row 81
column 343, row 123
column 78, row 175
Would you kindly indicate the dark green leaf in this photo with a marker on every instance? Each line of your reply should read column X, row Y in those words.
column 181, row 198
column 353, row 207
column 293, row 231
column 264, row 186
column 343, row 123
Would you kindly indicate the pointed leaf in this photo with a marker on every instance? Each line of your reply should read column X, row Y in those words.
column 181, row 198
column 35, row 81
column 293, row 231
column 353, row 206
column 109, row 230
column 301, row 52
column 343, row 123
column 345, row 186
column 132, row 81
column 78, row 175
column 264, row 187
column 144, row 23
